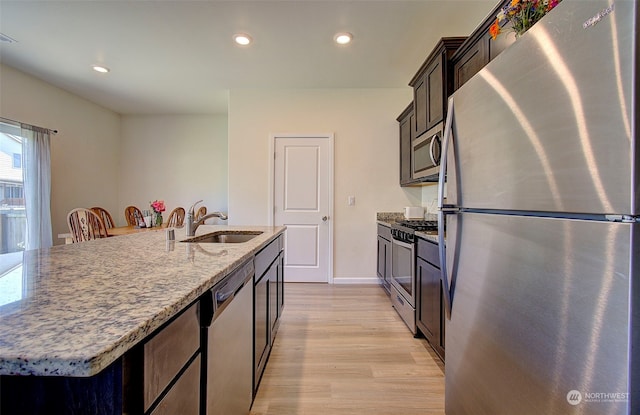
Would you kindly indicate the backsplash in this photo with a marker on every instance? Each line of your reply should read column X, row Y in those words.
column 430, row 199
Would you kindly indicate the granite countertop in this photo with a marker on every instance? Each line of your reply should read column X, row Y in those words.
column 388, row 218
column 428, row 235
column 82, row 306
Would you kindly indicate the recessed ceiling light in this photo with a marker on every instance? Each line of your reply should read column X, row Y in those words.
column 343, row 38
column 101, row 69
column 242, row 39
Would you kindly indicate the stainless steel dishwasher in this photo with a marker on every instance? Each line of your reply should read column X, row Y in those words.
column 229, row 348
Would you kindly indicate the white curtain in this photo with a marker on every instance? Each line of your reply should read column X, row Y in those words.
column 36, row 173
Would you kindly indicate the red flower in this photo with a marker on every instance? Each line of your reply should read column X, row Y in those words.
column 158, row 206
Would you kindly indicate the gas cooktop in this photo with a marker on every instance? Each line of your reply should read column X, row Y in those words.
column 416, row 225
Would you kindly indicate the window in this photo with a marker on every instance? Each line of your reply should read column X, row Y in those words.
column 17, row 160
column 13, row 218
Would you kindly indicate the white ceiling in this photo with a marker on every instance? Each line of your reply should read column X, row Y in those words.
column 177, row 56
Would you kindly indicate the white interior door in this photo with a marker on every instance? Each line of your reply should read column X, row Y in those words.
column 303, row 188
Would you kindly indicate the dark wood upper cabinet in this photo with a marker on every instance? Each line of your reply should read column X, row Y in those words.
column 479, row 49
column 432, row 85
column 406, row 122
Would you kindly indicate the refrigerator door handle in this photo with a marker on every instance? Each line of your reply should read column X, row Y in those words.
column 448, row 295
column 448, row 127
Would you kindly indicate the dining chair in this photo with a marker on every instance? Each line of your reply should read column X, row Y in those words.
column 176, row 218
column 200, row 213
column 105, row 216
column 132, row 214
column 85, row 225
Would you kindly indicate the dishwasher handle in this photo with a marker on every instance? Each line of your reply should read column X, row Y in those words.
column 224, row 292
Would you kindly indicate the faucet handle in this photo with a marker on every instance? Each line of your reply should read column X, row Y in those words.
column 192, row 208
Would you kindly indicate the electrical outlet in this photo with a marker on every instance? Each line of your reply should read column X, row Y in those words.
column 351, row 201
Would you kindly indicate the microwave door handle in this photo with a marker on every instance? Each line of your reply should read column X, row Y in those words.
column 448, row 295
column 435, row 139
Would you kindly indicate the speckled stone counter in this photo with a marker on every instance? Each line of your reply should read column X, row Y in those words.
column 388, row 218
column 84, row 305
column 428, row 235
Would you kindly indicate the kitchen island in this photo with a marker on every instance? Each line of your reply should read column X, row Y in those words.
column 85, row 307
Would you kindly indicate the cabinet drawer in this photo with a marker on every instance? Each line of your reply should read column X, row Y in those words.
column 265, row 257
column 429, row 252
column 184, row 396
column 168, row 351
column 384, row 231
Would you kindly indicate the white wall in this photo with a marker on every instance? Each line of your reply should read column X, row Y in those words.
column 84, row 153
column 366, row 160
column 176, row 158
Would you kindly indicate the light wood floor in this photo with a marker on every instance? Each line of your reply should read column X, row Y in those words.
column 342, row 349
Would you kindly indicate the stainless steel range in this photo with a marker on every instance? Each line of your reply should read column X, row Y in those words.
column 403, row 263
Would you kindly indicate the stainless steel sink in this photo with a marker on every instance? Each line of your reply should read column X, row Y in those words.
column 224, row 237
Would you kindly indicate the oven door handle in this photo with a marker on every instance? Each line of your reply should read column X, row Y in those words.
column 403, row 244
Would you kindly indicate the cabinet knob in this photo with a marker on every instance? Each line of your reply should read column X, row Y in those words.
column 325, row 218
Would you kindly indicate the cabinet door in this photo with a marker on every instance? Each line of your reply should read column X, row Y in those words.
column 483, row 49
column 429, row 97
column 261, row 326
column 273, row 299
column 420, row 102
column 280, row 284
column 184, row 397
column 382, row 258
column 470, row 63
column 429, row 305
column 387, row 262
column 406, row 136
column 435, row 103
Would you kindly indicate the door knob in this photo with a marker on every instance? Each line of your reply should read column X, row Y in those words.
column 325, row 218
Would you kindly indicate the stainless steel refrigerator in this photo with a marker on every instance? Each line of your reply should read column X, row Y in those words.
column 542, row 227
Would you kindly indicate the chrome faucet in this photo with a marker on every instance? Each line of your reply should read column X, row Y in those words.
column 191, row 224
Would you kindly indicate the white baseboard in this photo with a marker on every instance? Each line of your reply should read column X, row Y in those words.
column 368, row 280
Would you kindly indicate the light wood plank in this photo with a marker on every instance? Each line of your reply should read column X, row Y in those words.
column 342, row 349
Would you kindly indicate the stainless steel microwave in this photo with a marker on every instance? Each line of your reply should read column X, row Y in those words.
column 425, row 154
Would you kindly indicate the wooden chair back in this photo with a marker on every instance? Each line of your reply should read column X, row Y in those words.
column 105, row 216
column 85, row 225
column 200, row 213
column 176, row 218
column 130, row 213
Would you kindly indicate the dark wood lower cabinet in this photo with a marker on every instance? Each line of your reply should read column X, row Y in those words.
column 268, row 303
column 384, row 257
column 430, row 316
